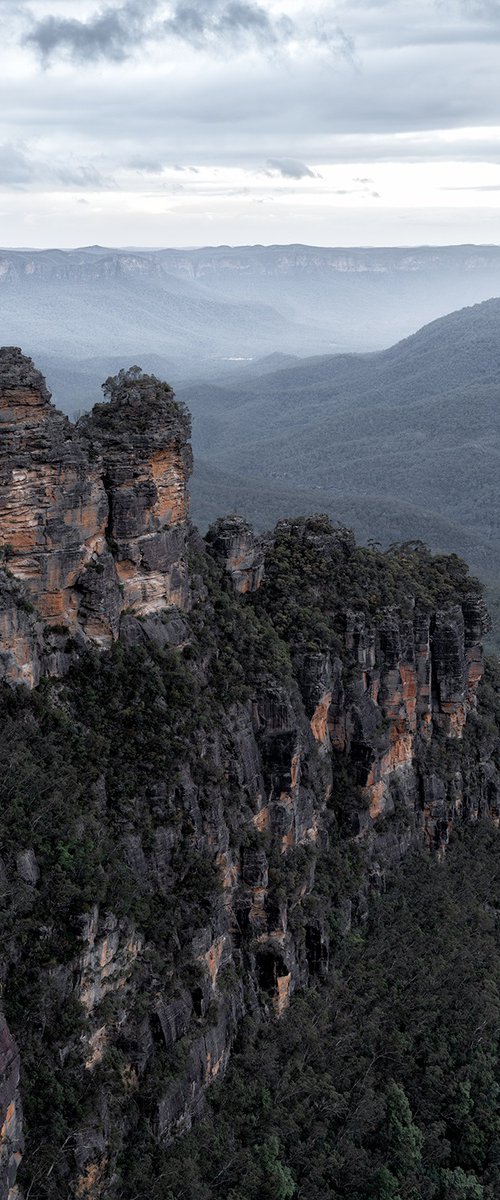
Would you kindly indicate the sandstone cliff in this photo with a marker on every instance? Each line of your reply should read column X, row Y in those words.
column 92, row 517
column 195, row 813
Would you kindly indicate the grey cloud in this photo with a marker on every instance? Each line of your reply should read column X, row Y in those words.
column 215, row 20
column 382, row 25
column 117, row 31
column 15, row 167
column 484, row 9
column 79, row 175
column 146, row 166
column 334, row 38
column 20, row 169
column 289, row 168
column 229, row 116
column 187, row 23
column 239, row 17
column 111, row 34
column 239, row 113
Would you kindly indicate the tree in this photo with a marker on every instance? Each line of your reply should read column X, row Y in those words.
column 403, row 1138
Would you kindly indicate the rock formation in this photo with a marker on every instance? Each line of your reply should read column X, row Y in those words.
column 234, row 542
column 289, row 700
column 92, row 517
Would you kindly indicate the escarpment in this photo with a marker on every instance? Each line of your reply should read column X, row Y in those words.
column 93, row 516
column 241, row 739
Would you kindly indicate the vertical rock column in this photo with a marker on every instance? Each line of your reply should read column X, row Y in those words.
column 234, row 543
column 53, row 506
column 93, row 517
column 142, row 435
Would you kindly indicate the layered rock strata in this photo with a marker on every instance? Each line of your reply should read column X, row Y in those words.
column 92, row 517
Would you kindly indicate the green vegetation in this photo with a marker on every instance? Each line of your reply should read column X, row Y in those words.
column 398, row 444
column 113, row 782
column 96, row 769
column 315, row 572
column 134, row 398
column 383, row 1083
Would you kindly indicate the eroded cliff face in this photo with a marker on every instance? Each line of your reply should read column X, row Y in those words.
column 234, row 542
column 417, row 677
column 141, row 438
column 53, row 506
column 92, row 517
column 11, row 1135
column 200, row 788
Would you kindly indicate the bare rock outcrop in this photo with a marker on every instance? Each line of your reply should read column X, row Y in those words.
column 93, row 517
column 233, row 541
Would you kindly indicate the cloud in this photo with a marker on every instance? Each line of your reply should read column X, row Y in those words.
column 146, row 166
column 236, row 21
column 76, row 175
column 289, row 169
column 15, row 168
column 111, row 34
column 116, row 32
column 20, row 169
column 475, row 187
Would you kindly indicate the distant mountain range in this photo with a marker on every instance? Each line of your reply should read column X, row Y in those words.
column 203, row 312
column 400, row 444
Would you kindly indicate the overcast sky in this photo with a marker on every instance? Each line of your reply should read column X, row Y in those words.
column 231, row 121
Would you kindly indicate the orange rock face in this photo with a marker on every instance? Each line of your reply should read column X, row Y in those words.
column 412, row 675
column 92, row 517
column 319, row 719
column 53, row 506
column 282, row 998
column 142, row 438
column 398, row 756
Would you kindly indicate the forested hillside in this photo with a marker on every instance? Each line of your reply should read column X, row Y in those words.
column 382, row 1083
column 400, row 444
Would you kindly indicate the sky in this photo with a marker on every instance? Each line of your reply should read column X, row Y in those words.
column 208, row 122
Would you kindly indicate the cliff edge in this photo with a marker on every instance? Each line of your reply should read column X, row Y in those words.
column 93, row 516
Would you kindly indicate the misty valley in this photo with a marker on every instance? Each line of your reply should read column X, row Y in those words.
column 250, row 724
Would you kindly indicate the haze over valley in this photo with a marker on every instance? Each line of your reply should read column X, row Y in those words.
column 198, row 313
column 303, row 396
